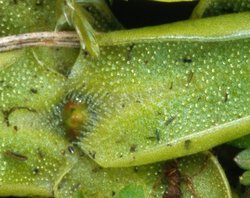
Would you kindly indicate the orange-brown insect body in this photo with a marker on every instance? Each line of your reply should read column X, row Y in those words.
column 172, row 177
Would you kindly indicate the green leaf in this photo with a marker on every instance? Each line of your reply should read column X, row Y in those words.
column 243, row 142
column 100, row 15
column 199, row 175
column 243, row 159
column 33, row 159
column 206, row 8
column 33, row 16
column 245, row 178
column 28, row 82
column 156, row 96
column 26, row 16
column 8, row 59
column 156, row 93
column 131, row 191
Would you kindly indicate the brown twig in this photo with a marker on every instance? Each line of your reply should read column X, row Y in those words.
column 48, row 39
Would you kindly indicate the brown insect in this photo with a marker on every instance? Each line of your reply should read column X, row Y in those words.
column 172, row 178
column 15, row 155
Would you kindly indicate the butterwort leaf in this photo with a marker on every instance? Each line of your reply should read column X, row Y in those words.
column 33, row 159
column 195, row 175
column 26, row 16
column 207, row 8
column 28, row 82
column 162, row 94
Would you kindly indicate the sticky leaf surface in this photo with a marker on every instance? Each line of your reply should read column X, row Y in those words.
column 154, row 97
column 198, row 175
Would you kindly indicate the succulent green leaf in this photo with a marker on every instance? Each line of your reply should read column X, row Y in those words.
column 245, row 178
column 243, row 159
column 8, row 59
column 167, row 93
column 100, row 15
column 243, row 142
column 33, row 16
column 26, row 16
column 28, row 82
column 199, row 175
column 202, row 170
column 206, row 8
column 33, row 159
column 153, row 94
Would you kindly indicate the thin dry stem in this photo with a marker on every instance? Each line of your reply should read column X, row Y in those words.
column 48, row 39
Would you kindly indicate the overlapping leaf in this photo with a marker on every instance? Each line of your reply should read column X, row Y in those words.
column 149, row 97
column 164, row 95
column 206, row 8
column 90, row 180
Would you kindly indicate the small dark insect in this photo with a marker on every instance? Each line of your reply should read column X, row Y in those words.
column 157, row 135
column 34, row 91
column 170, row 120
column 187, row 144
column 15, row 128
column 226, row 97
column 35, row 170
column 187, row 60
column 136, row 169
column 85, row 53
column 15, row 156
column 97, row 169
column 133, row 148
column 71, row 149
column 172, row 177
